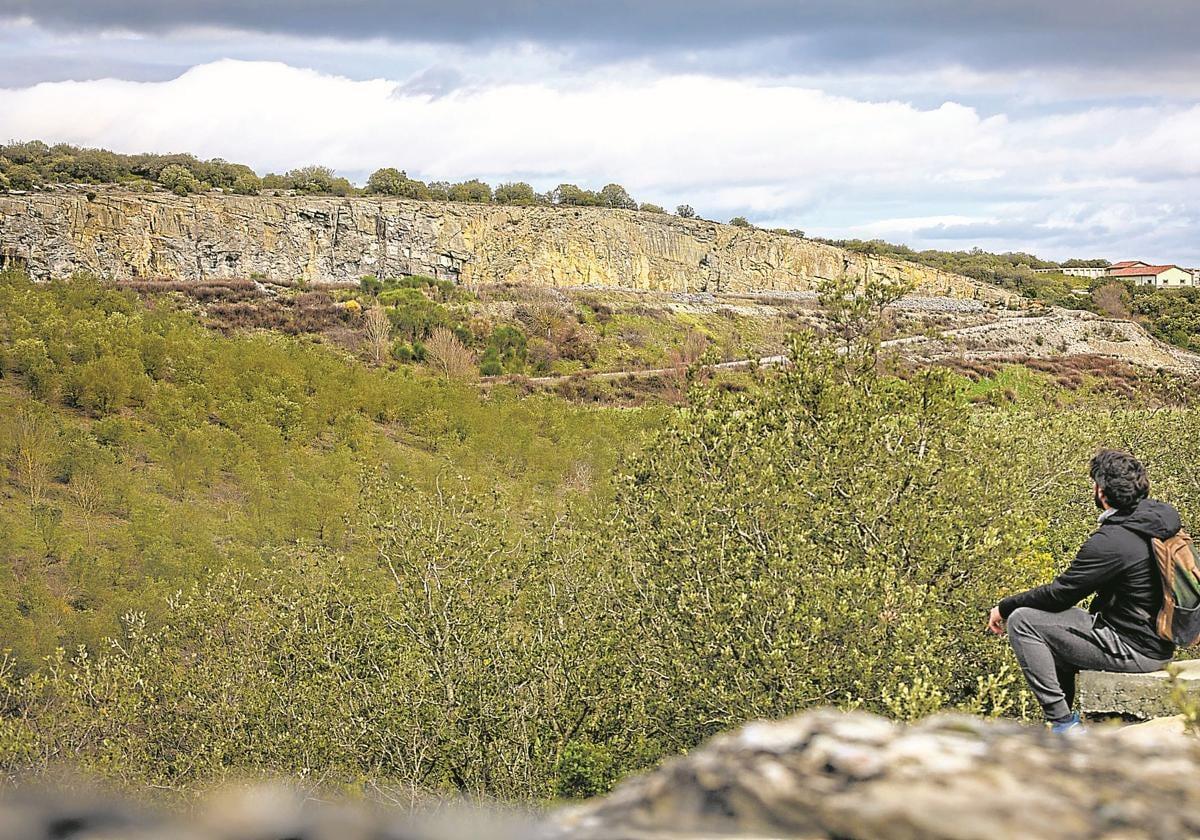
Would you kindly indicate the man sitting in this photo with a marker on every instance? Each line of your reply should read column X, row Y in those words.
column 1053, row 639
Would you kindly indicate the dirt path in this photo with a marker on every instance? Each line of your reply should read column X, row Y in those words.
column 1058, row 333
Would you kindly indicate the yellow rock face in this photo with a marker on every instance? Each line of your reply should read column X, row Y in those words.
column 328, row 240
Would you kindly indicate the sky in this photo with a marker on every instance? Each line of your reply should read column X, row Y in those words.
column 1065, row 128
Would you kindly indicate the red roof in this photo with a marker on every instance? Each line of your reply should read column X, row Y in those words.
column 1126, row 264
column 1139, row 270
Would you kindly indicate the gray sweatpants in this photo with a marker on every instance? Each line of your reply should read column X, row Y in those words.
column 1053, row 647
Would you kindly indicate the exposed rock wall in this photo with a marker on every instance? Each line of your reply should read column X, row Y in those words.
column 323, row 240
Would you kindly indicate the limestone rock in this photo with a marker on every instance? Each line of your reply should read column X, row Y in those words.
column 826, row 774
column 1140, row 696
column 322, row 240
column 1054, row 333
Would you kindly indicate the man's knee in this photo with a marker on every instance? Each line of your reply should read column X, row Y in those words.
column 1021, row 619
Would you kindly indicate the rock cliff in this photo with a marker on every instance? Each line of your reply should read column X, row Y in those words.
column 325, row 240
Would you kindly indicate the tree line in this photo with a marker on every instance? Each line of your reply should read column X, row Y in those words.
column 32, row 165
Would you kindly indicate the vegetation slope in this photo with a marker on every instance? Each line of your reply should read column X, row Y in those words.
column 248, row 553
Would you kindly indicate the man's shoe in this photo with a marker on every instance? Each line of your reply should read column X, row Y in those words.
column 1071, row 726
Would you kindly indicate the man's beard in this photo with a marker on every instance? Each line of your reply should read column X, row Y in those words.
column 1096, row 499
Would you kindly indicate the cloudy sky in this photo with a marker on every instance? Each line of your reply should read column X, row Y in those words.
column 1061, row 127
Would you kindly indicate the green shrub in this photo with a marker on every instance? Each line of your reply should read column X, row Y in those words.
column 584, row 770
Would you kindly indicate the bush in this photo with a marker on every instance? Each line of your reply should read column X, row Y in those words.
column 584, row 770
column 413, row 315
column 515, row 193
column 395, row 182
column 179, row 180
column 569, row 195
column 247, row 184
column 471, row 192
column 447, row 355
column 614, row 195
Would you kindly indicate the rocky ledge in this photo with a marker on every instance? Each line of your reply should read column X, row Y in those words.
column 124, row 235
column 827, row 774
column 823, row 774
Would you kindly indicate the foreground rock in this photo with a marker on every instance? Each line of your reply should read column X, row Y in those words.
column 324, row 240
column 827, row 774
column 820, row 775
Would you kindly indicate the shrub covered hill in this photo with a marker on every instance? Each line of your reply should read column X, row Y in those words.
column 233, row 551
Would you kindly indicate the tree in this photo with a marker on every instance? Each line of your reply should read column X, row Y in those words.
column 518, row 193
column 412, row 313
column 247, row 184
column 685, row 211
column 471, row 192
column 87, row 486
column 103, row 385
column 646, row 207
column 614, row 195
column 35, row 448
column 739, row 221
column 505, row 352
column 370, row 284
column 318, row 180
column 449, row 356
column 378, row 331
column 391, row 181
column 570, row 195
column 687, row 354
column 1112, row 299
column 179, row 180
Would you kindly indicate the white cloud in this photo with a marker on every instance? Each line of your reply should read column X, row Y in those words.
column 1122, row 178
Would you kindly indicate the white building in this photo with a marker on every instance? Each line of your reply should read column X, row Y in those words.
column 1160, row 276
column 1090, row 273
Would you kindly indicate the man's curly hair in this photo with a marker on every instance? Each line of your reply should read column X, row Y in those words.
column 1121, row 477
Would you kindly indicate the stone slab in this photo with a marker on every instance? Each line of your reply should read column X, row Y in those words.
column 1140, row 696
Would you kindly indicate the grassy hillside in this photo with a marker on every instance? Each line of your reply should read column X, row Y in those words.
column 144, row 452
column 262, row 555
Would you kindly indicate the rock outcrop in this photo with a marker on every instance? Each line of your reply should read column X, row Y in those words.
column 1054, row 333
column 827, row 774
column 323, row 240
column 824, row 774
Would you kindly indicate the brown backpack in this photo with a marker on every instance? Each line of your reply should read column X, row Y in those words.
column 1179, row 573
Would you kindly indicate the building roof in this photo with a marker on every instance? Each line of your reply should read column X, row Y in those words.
column 1142, row 270
column 1126, row 264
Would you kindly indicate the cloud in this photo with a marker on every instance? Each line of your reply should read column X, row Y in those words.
column 434, row 82
column 816, row 33
column 1107, row 181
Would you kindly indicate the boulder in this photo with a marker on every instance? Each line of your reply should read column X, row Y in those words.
column 828, row 774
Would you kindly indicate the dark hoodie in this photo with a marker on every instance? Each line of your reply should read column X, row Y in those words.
column 1117, row 564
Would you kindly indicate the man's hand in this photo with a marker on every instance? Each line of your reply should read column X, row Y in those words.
column 995, row 622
